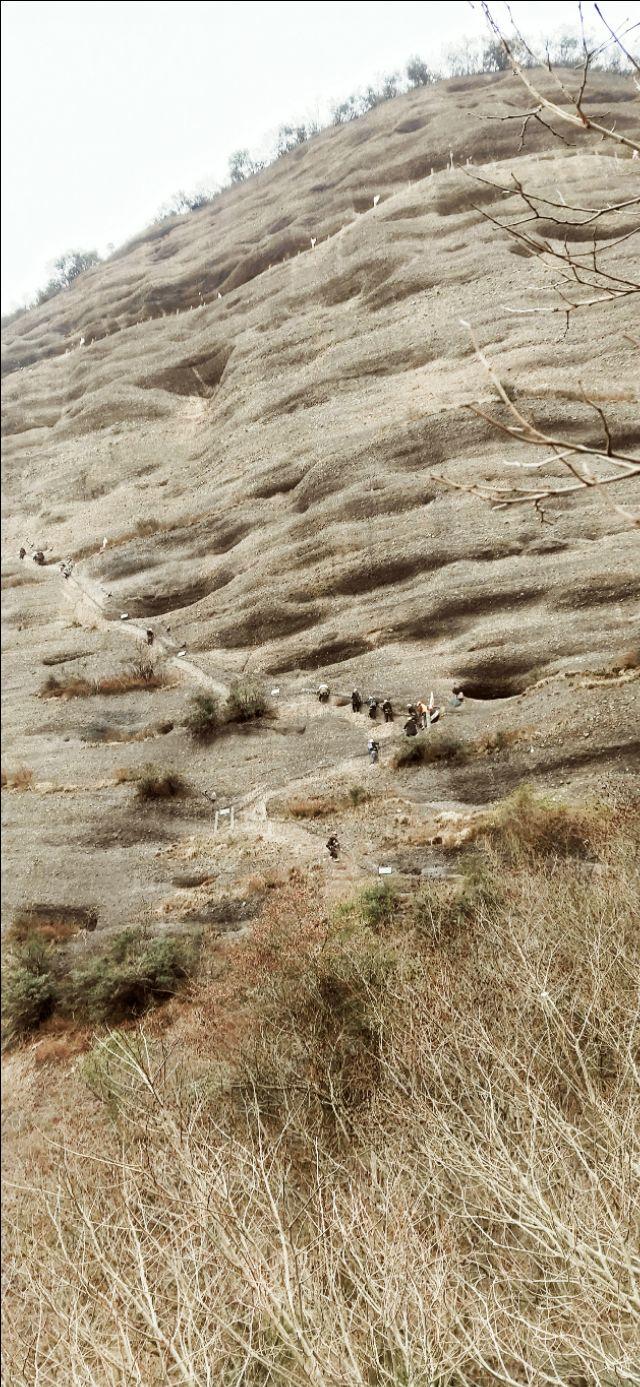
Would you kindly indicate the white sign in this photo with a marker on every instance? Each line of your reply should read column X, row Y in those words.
column 384, row 871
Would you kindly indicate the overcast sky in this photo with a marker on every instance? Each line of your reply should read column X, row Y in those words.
column 110, row 106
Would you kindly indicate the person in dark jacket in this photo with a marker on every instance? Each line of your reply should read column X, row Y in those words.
column 373, row 708
column 387, row 710
column 411, row 728
column 333, row 846
column 356, row 701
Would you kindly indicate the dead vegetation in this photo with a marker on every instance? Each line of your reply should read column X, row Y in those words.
column 323, row 806
column 53, row 924
column 154, row 784
column 140, row 674
column 20, row 779
column 448, row 747
column 403, row 1132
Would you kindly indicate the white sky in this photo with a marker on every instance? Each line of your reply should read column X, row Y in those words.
column 110, row 106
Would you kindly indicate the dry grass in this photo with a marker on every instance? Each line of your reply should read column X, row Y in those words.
column 323, row 806
column 139, row 675
column 20, row 779
column 53, row 924
column 440, row 745
column 394, row 1145
column 124, row 775
column 529, row 824
column 313, row 806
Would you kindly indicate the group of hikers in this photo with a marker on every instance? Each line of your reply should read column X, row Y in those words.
column 420, row 715
column 37, row 555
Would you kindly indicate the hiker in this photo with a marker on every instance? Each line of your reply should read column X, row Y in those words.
column 356, row 701
column 150, row 636
column 421, row 714
column 412, row 711
column 387, row 710
column 374, row 751
column 323, row 693
column 458, row 697
column 411, row 727
column 373, row 708
column 38, row 557
column 23, row 553
column 333, row 846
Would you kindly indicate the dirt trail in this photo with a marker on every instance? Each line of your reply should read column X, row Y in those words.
column 94, row 594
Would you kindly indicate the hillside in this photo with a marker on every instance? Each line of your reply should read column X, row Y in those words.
column 379, row 1131
column 265, row 465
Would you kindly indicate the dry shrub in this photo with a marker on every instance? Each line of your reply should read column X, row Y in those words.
column 322, row 806
column 52, row 923
column 140, row 674
column 248, row 699
column 71, row 687
column 435, row 746
column 20, row 779
column 205, row 717
column 154, row 784
column 123, row 775
column 630, row 660
column 445, row 746
column 532, row 824
column 385, row 1154
column 313, row 807
column 499, row 739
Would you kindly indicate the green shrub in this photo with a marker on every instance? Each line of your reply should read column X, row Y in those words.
column 29, row 989
column 205, row 717
column 377, row 904
column 133, row 973
column 418, row 74
column 247, row 699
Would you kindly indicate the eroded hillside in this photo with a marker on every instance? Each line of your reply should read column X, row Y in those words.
column 239, row 437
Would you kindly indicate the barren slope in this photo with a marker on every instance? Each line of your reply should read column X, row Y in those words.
column 264, row 467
